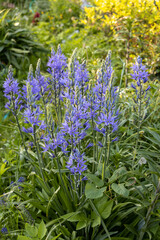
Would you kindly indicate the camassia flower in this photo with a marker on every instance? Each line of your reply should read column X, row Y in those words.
column 35, row 87
column 140, row 75
column 33, row 91
column 32, row 117
column 12, row 92
column 103, row 82
column 54, row 141
column 108, row 121
column 104, row 101
column 76, row 163
column 57, row 67
column 81, row 76
column 73, row 129
column 4, row 230
column 76, row 121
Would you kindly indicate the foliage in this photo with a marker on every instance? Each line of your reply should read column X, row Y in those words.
column 61, row 16
column 72, row 173
column 17, row 44
column 34, row 232
column 133, row 27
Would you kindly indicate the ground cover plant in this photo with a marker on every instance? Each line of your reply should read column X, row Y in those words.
column 84, row 159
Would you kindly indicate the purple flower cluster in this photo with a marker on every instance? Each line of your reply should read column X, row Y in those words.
column 54, row 141
column 103, row 104
column 35, row 87
column 12, row 92
column 4, row 230
column 34, row 90
column 103, row 81
column 76, row 121
column 31, row 116
column 57, row 66
column 78, row 107
column 140, row 75
column 76, row 163
column 81, row 76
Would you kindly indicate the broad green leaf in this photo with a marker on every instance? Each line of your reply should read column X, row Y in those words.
column 81, row 224
column 23, row 238
column 42, row 230
column 92, row 192
column 1, row 48
column 120, row 189
column 97, row 181
column 119, row 173
column 96, row 221
column 3, row 169
column 32, row 231
column 104, row 206
column 74, row 217
column 105, row 210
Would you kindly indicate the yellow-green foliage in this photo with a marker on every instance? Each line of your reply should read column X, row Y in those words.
column 110, row 12
column 134, row 24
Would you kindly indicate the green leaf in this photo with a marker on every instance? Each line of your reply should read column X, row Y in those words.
column 92, row 192
column 3, row 169
column 104, row 206
column 56, row 236
column 23, row 238
column 81, row 224
column 42, row 230
column 74, row 217
column 97, row 181
column 96, row 221
column 155, row 135
column 119, row 173
column 19, row 50
column 105, row 209
column 1, row 48
column 32, row 231
column 120, row 189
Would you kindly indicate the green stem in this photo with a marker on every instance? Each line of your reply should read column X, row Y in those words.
column 106, row 155
column 45, row 110
column 21, row 135
column 108, row 150
column 94, row 147
column 139, row 125
column 37, row 150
